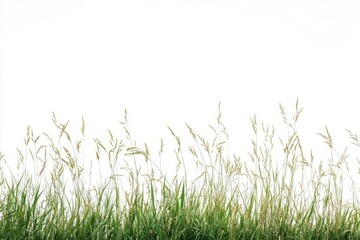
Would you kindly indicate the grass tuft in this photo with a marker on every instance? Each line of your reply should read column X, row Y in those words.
column 278, row 191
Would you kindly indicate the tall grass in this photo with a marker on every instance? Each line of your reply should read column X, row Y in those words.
column 122, row 191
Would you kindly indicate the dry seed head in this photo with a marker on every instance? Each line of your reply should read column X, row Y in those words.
column 298, row 110
column 254, row 123
column 191, row 131
column 161, row 146
column 354, row 138
column 82, row 125
column 283, row 113
column 327, row 138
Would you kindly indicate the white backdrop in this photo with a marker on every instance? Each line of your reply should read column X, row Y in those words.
column 170, row 62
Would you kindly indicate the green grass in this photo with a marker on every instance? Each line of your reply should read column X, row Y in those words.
column 122, row 191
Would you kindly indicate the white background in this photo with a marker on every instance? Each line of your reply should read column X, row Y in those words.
column 170, row 62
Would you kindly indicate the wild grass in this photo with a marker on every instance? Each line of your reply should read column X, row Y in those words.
column 123, row 191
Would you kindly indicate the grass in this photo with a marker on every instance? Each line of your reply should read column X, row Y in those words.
column 123, row 191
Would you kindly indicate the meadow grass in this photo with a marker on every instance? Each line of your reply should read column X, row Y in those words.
column 277, row 191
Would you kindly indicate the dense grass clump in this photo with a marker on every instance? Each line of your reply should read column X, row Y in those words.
column 123, row 191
